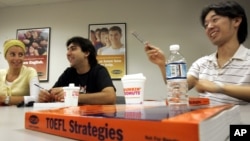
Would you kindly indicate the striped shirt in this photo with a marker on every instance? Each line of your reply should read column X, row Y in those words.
column 236, row 71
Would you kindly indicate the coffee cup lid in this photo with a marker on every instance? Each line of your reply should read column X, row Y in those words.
column 133, row 76
column 71, row 86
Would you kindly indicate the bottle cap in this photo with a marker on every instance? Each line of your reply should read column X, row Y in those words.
column 71, row 85
column 174, row 47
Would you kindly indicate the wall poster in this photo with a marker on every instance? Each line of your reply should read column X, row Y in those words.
column 37, row 42
column 109, row 41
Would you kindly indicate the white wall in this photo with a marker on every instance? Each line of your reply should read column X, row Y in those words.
column 162, row 22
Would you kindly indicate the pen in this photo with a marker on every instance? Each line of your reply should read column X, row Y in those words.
column 46, row 90
column 139, row 38
column 42, row 87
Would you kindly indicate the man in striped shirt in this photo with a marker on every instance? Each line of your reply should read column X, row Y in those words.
column 223, row 76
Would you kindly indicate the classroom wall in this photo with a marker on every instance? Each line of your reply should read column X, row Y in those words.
column 161, row 22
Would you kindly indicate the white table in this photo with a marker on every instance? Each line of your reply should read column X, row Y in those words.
column 245, row 114
column 12, row 125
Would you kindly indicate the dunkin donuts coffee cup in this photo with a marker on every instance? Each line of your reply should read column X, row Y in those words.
column 71, row 94
column 133, row 88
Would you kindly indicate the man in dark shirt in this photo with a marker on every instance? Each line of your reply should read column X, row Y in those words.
column 96, row 86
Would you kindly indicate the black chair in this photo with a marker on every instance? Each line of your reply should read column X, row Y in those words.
column 120, row 100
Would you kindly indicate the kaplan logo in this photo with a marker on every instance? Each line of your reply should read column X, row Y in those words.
column 33, row 119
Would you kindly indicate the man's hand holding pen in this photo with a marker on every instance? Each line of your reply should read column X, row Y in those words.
column 52, row 95
column 46, row 96
column 58, row 94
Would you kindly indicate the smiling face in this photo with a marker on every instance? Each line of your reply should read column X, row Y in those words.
column 76, row 57
column 106, row 40
column 103, row 37
column 220, row 29
column 15, row 57
column 115, row 36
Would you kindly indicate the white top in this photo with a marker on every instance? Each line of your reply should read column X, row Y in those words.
column 113, row 51
column 236, row 71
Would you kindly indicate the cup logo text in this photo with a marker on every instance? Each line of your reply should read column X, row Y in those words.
column 132, row 91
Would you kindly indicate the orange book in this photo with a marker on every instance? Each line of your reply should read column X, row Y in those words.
column 135, row 122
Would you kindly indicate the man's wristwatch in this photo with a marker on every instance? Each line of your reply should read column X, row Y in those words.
column 7, row 100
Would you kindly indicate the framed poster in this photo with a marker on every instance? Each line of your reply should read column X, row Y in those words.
column 37, row 42
column 109, row 41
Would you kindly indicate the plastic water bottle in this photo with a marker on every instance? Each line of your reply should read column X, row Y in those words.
column 176, row 77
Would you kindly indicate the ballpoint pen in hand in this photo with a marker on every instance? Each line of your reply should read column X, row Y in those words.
column 138, row 37
column 42, row 87
column 49, row 91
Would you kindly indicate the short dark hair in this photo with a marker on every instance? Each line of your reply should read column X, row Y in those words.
column 104, row 29
column 229, row 9
column 86, row 46
column 116, row 28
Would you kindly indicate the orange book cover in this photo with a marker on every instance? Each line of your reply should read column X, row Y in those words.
column 123, row 122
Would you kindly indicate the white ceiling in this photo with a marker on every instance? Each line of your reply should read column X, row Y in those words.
column 13, row 3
